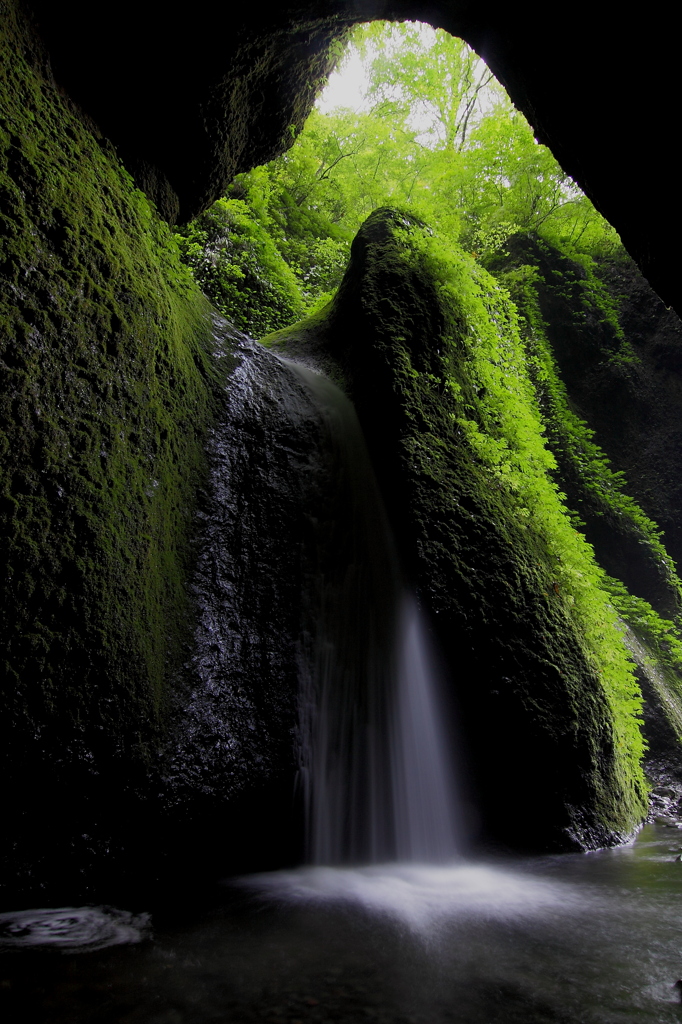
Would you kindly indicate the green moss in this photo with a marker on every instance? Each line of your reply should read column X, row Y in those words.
column 264, row 258
column 430, row 348
column 105, row 398
column 595, row 489
column 501, row 422
column 570, row 438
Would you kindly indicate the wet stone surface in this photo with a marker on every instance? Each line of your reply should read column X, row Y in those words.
column 665, row 804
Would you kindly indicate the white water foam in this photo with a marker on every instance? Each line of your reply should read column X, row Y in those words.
column 423, row 896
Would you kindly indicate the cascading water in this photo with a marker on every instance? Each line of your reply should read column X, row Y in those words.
column 377, row 782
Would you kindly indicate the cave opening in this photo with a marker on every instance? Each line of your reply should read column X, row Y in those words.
column 412, row 118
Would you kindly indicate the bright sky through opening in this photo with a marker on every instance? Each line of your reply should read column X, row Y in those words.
column 347, row 87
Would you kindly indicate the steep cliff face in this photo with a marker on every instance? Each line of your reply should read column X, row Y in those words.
column 226, row 775
column 403, row 340
column 603, row 348
column 618, row 350
column 637, row 414
column 106, row 396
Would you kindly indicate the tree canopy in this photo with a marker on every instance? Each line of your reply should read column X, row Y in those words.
column 435, row 133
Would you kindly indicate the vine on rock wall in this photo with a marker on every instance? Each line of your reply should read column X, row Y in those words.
column 595, row 490
column 500, row 418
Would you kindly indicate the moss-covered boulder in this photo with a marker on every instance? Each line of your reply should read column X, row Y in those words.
column 429, row 350
column 240, row 269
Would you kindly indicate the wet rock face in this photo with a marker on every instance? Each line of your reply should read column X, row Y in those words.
column 233, row 713
column 193, row 100
column 221, row 785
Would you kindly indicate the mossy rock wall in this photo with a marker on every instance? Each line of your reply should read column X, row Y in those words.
column 546, row 766
column 105, row 398
column 618, row 350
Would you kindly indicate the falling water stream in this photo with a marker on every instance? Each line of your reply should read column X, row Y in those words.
column 376, row 774
column 388, row 922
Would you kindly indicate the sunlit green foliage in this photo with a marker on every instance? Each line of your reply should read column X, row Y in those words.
column 240, row 268
column 438, row 135
column 573, row 441
column 661, row 635
column 570, row 435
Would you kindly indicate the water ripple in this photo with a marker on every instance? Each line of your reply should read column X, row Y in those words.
column 72, row 928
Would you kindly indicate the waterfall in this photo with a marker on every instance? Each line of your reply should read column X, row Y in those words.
column 423, row 787
column 374, row 768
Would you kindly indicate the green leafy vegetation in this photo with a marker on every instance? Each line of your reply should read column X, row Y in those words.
column 435, row 134
column 596, row 489
column 262, row 255
column 569, row 437
column 241, row 269
column 499, row 418
column 661, row 635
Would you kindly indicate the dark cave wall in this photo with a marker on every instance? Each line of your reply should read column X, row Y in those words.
column 106, row 394
column 190, row 102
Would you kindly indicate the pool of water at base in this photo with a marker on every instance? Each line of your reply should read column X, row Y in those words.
column 595, row 939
